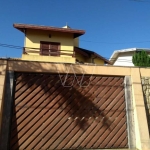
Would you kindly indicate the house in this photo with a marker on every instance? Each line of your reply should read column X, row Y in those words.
column 53, row 44
column 124, row 57
column 44, row 107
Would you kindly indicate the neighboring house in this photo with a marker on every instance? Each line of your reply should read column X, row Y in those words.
column 51, row 44
column 124, row 57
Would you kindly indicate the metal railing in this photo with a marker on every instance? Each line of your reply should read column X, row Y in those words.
column 48, row 52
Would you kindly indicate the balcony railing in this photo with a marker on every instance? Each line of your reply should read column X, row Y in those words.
column 48, row 52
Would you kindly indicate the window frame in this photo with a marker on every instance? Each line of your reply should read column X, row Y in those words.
column 50, row 43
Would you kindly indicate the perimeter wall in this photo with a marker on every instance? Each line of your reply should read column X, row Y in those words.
column 138, row 78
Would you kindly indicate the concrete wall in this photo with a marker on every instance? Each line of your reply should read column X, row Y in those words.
column 141, row 126
column 146, row 92
column 3, row 64
column 7, row 110
column 142, row 137
column 48, row 58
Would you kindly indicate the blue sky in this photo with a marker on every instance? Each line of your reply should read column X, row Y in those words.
column 109, row 24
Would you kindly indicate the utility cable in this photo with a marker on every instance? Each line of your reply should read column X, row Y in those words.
column 20, row 47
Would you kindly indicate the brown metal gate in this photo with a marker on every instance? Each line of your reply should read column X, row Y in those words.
column 47, row 115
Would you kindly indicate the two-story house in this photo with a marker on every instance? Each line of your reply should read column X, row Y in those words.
column 52, row 44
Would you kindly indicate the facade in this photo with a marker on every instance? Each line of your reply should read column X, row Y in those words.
column 38, row 112
column 51, row 44
column 124, row 57
column 43, row 106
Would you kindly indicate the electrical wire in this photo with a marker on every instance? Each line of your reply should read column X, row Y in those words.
column 10, row 46
column 114, row 43
column 143, row 1
column 20, row 47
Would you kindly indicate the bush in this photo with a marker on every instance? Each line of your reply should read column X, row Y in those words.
column 141, row 59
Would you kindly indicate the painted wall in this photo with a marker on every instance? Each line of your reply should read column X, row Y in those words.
column 124, row 59
column 84, row 59
column 66, row 40
column 76, row 42
column 140, row 121
column 98, row 61
column 48, row 58
column 3, row 64
column 80, row 57
column 33, row 39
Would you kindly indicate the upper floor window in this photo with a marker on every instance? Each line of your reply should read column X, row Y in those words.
column 50, row 48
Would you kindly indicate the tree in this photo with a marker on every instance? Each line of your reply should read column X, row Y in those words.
column 141, row 59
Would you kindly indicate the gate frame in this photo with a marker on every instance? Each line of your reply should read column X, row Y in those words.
column 129, row 112
column 7, row 111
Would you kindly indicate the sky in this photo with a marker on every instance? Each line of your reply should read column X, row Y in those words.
column 109, row 24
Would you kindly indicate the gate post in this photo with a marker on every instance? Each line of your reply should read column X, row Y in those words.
column 7, row 110
column 129, row 113
column 141, row 126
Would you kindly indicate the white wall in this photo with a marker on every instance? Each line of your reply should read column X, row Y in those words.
column 124, row 59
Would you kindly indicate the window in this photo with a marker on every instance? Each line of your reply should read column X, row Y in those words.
column 50, row 48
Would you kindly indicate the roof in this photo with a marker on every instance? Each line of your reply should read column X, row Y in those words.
column 115, row 54
column 23, row 27
column 88, row 53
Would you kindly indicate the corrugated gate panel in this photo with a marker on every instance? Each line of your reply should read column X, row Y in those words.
column 47, row 115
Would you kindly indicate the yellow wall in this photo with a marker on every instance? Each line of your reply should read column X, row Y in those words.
column 33, row 39
column 84, row 59
column 3, row 64
column 140, row 122
column 76, row 42
column 48, row 58
column 98, row 61
column 66, row 40
column 80, row 57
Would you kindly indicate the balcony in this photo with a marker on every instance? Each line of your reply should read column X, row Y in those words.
column 48, row 52
column 48, row 55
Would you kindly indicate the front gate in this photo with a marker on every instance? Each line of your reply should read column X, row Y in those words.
column 49, row 113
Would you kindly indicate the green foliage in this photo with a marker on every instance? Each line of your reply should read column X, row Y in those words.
column 141, row 59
